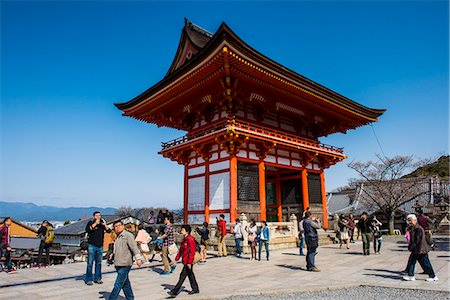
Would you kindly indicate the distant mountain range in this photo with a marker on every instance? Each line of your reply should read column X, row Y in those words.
column 34, row 213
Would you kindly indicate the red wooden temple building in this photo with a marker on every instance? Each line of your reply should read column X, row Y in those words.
column 252, row 129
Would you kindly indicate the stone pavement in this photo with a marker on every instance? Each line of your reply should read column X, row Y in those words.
column 224, row 277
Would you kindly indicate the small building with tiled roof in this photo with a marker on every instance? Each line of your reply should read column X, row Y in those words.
column 19, row 229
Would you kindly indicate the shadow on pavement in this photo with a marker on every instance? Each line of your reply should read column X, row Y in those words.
column 156, row 269
column 76, row 278
column 385, row 276
column 293, row 254
column 352, row 253
column 170, row 286
column 385, row 270
column 105, row 295
column 291, row 267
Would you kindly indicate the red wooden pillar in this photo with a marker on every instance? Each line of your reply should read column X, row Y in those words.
column 233, row 189
column 324, row 200
column 305, row 189
column 185, row 195
column 262, row 191
column 207, row 192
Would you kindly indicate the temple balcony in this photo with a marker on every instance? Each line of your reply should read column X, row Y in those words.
column 241, row 129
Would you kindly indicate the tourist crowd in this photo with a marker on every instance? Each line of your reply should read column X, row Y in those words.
column 127, row 248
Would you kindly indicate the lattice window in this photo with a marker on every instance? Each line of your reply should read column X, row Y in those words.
column 314, row 188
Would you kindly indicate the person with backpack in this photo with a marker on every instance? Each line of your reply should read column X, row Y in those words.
column 5, row 245
column 187, row 254
column 46, row 235
column 238, row 238
column 264, row 239
column 204, row 240
column 95, row 229
column 155, row 244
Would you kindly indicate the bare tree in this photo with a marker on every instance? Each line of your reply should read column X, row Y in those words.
column 124, row 211
column 384, row 186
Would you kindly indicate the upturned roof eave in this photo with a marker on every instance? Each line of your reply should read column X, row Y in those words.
column 224, row 33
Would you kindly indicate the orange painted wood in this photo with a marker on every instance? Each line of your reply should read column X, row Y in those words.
column 233, row 189
column 207, row 192
column 324, row 201
column 185, row 195
column 279, row 200
column 305, row 189
column 262, row 191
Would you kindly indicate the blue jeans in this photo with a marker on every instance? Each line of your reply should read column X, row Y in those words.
column 424, row 262
column 377, row 242
column 94, row 254
column 310, row 258
column 302, row 244
column 266, row 244
column 238, row 246
column 122, row 283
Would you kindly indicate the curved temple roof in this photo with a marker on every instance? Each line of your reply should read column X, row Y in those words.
column 198, row 48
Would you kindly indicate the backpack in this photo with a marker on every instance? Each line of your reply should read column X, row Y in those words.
column 49, row 235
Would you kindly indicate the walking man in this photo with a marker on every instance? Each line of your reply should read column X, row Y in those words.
column 125, row 248
column 310, row 226
column 365, row 229
column 168, row 240
column 95, row 229
column 5, row 245
column 238, row 237
column 419, row 248
column 186, row 253
column 222, row 227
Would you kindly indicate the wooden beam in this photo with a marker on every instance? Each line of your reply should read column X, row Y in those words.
column 324, row 201
column 233, row 189
column 305, row 192
column 262, row 191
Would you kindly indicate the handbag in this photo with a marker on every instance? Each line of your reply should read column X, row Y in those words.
column 196, row 257
column 173, row 249
column 218, row 234
column 251, row 238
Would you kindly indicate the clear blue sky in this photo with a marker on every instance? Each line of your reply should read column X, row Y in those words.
column 64, row 64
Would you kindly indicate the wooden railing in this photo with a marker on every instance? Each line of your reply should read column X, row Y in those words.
column 252, row 128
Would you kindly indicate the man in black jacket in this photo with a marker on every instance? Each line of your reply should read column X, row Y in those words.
column 42, row 234
column 95, row 229
column 365, row 229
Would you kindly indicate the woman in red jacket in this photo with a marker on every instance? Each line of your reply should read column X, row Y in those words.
column 187, row 253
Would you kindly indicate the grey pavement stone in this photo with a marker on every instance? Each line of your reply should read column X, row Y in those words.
column 226, row 277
